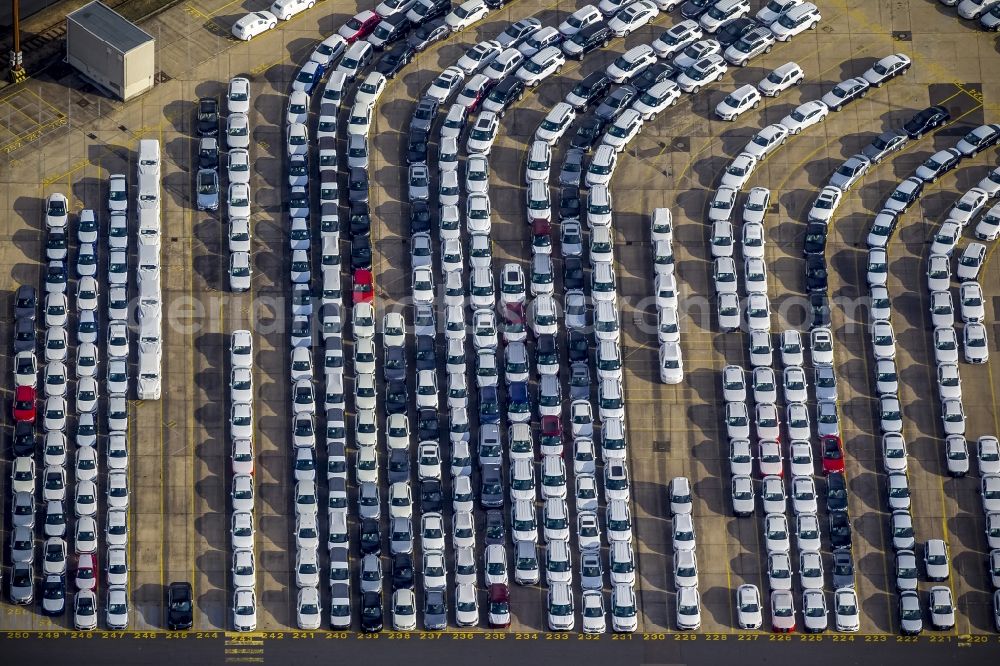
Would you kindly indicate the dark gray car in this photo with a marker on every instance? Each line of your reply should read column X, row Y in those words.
column 884, row 145
column 491, row 492
column 435, row 610
column 843, row 569
column 25, row 302
column 399, row 465
column 395, row 363
column 24, row 334
column 424, row 114
column 208, row 189
column 615, row 103
column 572, row 169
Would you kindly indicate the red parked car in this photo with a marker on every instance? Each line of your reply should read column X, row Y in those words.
column 359, row 26
column 833, row 454
column 499, row 606
column 364, row 286
column 552, row 436
column 24, row 404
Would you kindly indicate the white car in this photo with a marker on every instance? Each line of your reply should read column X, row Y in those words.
column 722, row 12
column 748, row 607
column 795, row 20
column 770, row 459
column 466, row 14
column 780, row 79
column 479, row 56
column 776, row 533
column 968, row 206
column 632, row 16
column 845, row 609
column 739, row 171
column 805, row 116
column 677, row 38
column 975, row 343
column 779, row 571
column 555, row 123
column 541, row 65
column 970, row 262
column 742, row 491
column 705, row 70
column 766, row 140
column 887, row 68
column 761, row 351
column 582, row 18
column 729, row 312
column 988, row 227
column 688, row 614
column 883, row 340
column 251, row 25
column 738, row 102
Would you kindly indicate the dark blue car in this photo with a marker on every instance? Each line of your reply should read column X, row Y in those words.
column 489, row 405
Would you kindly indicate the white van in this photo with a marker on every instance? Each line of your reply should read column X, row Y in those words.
column 613, row 441
column 149, row 158
column 149, row 375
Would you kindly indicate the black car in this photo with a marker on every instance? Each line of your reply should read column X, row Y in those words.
column 569, row 203
column 588, row 133
column 592, row 37
column 180, row 606
column 546, row 350
column 884, row 145
column 392, row 29
column 357, row 185
column 577, row 346
column 431, row 497
column 836, row 492
column 208, row 153
column 491, row 492
column 361, row 253
column 360, row 221
column 816, row 275
column 371, row 538
column 395, row 363
column 652, row 75
column 395, row 59
column 591, row 88
column 428, row 33
column 693, row 9
column 425, row 354
column 430, row 9
column 615, row 103
column 424, row 114
column 23, row 441
column 819, row 304
column 428, row 426
column 572, row 273
column 840, row 530
column 398, row 465
column 25, row 302
column 371, row 612
column 924, row 121
column 208, row 116
column 402, row 572
column 496, row 4
column 24, row 335
column 416, row 147
column 505, row 93
column 395, row 397
column 731, row 32
column 496, row 532
column 815, row 239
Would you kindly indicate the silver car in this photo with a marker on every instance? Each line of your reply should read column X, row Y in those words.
column 208, row 189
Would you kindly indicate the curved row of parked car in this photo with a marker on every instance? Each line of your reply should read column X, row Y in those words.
column 987, row 12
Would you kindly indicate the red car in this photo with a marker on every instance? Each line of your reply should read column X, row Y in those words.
column 833, row 454
column 513, row 320
column 364, row 286
column 552, row 436
column 359, row 26
column 499, row 606
column 481, row 91
column 24, row 404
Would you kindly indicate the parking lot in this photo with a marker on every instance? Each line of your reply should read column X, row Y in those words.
column 180, row 445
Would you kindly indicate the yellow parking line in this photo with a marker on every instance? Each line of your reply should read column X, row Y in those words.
column 218, row 10
column 57, row 112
